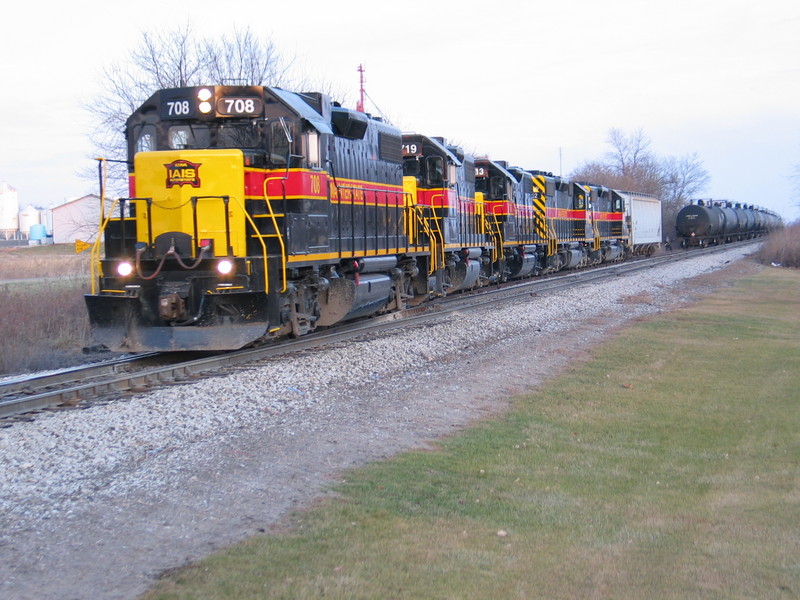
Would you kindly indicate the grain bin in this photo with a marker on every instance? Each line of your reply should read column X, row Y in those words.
column 37, row 235
column 28, row 217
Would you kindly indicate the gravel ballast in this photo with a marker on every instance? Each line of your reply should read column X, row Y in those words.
column 96, row 503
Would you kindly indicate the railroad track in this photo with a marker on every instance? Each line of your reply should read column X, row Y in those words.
column 83, row 386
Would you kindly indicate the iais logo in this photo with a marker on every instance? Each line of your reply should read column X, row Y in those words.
column 182, row 172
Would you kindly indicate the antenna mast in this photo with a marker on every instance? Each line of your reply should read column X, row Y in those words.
column 360, row 105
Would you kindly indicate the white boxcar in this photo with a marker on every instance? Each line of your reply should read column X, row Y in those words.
column 643, row 214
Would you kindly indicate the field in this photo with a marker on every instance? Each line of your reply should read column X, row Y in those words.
column 667, row 466
column 43, row 324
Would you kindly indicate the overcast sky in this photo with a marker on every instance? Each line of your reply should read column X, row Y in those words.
column 538, row 84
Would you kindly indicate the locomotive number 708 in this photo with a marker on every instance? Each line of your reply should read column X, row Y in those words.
column 178, row 108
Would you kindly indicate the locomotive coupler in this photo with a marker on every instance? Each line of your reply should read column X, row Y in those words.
column 171, row 307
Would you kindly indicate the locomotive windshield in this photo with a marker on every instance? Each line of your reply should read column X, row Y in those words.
column 493, row 187
column 183, row 136
column 274, row 138
column 428, row 171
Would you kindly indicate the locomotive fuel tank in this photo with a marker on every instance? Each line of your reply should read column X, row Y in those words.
column 352, row 298
column 572, row 256
column 523, row 262
column 612, row 252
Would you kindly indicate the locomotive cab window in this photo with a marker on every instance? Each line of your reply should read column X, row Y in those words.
column 411, row 167
column 435, row 171
column 280, row 138
column 497, row 188
column 183, row 137
column 248, row 134
column 146, row 140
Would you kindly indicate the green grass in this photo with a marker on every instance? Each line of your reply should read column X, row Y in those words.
column 667, row 466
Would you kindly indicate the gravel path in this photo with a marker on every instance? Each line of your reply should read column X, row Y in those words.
column 96, row 503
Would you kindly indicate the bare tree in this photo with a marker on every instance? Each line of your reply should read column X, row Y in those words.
column 630, row 152
column 796, row 178
column 682, row 178
column 244, row 59
column 631, row 165
column 169, row 59
column 598, row 173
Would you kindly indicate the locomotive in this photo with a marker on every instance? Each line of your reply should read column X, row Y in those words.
column 707, row 222
column 256, row 213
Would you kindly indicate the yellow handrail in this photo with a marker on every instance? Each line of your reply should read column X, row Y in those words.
column 263, row 246
column 493, row 225
column 277, row 234
column 434, row 236
column 552, row 241
column 94, row 257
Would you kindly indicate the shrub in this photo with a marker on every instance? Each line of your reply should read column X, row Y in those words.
column 43, row 325
column 782, row 248
column 43, row 321
column 43, row 261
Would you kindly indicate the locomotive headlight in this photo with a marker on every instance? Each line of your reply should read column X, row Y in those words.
column 124, row 269
column 204, row 95
column 205, row 107
column 224, row 267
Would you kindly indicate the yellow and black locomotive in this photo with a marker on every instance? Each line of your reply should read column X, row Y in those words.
column 256, row 213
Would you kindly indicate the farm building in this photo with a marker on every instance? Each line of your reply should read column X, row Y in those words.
column 77, row 219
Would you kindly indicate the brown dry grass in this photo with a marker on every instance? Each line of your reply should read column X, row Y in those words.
column 43, row 261
column 782, row 248
column 43, row 324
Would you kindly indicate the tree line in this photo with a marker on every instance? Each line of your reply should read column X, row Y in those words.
column 631, row 165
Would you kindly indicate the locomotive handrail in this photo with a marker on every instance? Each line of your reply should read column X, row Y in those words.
column 437, row 242
column 493, row 225
column 277, row 234
column 552, row 239
column 94, row 257
column 480, row 211
column 435, row 238
column 194, row 200
column 263, row 245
